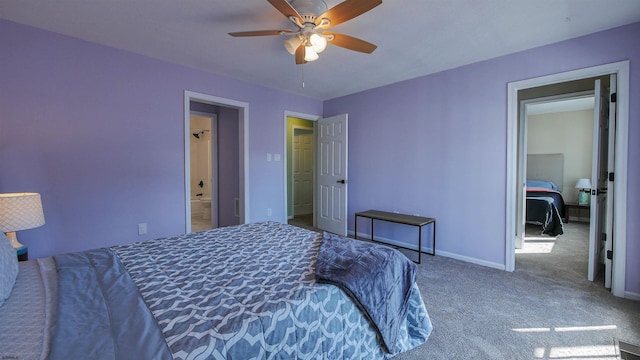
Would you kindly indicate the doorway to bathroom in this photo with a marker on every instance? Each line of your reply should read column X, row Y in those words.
column 216, row 149
column 204, row 169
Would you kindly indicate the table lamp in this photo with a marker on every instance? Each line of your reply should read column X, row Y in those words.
column 20, row 211
column 584, row 191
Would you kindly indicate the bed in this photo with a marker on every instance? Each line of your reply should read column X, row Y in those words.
column 545, row 206
column 251, row 291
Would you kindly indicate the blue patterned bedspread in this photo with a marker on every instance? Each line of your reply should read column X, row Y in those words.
column 249, row 292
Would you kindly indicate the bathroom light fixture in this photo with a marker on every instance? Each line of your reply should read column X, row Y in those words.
column 199, row 132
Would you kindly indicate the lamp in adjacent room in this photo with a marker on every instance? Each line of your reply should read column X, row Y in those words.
column 20, row 211
column 584, row 191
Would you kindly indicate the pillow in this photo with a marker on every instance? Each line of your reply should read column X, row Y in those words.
column 8, row 267
column 542, row 184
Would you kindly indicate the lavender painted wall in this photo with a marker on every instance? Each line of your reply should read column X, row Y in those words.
column 228, row 166
column 436, row 145
column 99, row 133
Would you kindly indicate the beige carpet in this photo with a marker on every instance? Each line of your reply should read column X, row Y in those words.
column 546, row 309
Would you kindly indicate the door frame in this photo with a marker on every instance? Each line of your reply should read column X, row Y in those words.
column 285, row 177
column 621, row 69
column 243, row 133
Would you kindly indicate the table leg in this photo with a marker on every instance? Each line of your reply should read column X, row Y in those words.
column 355, row 229
column 434, row 239
column 420, row 245
column 372, row 230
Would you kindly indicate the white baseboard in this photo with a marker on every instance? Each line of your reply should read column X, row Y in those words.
column 472, row 260
column 428, row 249
column 631, row 295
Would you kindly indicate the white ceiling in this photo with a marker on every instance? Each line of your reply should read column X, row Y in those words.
column 414, row 37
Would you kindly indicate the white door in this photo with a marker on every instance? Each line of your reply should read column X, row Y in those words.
column 302, row 170
column 608, row 246
column 332, row 174
column 599, row 180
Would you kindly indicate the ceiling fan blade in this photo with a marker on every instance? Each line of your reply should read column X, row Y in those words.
column 286, row 9
column 351, row 43
column 347, row 10
column 300, row 55
column 260, row 33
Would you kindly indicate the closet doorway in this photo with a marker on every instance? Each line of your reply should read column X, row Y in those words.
column 300, row 171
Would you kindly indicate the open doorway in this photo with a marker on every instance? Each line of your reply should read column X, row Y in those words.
column 330, row 174
column 300, row 172
column 204, row 167
column 619, row 141
column 219, row 128
column 557, row 132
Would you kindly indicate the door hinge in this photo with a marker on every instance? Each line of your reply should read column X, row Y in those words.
column 614, row 97
column 611, row 176
column 610, row 254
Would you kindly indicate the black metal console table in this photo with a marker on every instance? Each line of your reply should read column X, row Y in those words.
column 413, row 220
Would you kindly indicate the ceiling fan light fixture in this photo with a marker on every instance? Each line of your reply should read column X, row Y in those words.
column 310, row 54
column 292, row 43
column 318, row 42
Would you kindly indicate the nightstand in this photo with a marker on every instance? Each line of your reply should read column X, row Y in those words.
column 23, row 253
column 580, row 209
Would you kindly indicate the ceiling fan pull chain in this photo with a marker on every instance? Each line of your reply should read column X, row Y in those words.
column 302, row 67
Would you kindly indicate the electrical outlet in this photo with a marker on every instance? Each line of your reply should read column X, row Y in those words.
column 269, row 212
column 142, row 228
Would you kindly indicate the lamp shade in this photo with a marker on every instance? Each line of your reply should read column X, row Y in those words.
column 20, row 211
column 292, row 43
column 583, row 184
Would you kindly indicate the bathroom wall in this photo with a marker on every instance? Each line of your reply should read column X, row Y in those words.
column 228, row 166
column 200, row 156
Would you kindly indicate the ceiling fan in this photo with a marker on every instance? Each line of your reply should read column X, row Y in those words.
column 312, row 18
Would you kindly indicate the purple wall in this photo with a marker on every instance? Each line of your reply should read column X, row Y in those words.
column 99, row 133
column 436, row 145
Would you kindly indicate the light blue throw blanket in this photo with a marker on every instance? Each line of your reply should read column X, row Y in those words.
column 378, row 278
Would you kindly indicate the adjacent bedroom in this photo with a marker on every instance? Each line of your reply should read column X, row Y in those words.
column 559, row 157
